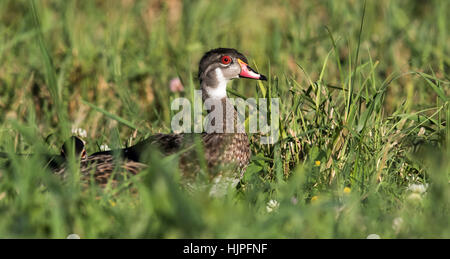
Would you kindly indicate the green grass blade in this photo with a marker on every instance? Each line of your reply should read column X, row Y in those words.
column 112, row 116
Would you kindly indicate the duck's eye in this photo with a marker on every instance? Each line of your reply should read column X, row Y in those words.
column 226, row 60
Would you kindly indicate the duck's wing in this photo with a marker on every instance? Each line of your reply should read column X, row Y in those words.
column 165, row 143
column 101, row 168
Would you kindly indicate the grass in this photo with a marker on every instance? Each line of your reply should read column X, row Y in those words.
column 364, row 93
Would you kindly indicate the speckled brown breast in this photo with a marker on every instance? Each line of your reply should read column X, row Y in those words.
column 227, row 149
column 228, row 153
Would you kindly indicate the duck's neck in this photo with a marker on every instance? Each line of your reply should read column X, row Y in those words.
column 214, row 85
column 222, row 115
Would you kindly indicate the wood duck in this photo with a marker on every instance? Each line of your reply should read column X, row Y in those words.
column 231, row 150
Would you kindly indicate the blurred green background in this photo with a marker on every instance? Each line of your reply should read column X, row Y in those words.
column 59, row 59
column 101, row 50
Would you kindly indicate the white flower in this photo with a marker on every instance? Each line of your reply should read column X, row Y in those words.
column 272, row 205
column 418, row 188
column 79, row 132
column 414, row 197
column 373, row 236
column 397, row 224
column 104, row 147
column 73, row 236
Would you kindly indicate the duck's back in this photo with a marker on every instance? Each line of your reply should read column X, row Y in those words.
column 222, row 153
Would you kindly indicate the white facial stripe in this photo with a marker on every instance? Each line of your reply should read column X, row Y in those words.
column 220, row 91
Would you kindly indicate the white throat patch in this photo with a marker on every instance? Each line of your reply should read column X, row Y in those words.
column 220, row 91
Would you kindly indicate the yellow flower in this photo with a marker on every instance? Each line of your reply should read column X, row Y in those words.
column 317, row 163
column 347, row 190
column 113, row 203
column 314, row 198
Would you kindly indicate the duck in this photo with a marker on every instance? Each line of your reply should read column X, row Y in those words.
column 226, row 154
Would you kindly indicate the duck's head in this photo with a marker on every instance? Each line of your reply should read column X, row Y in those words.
column 219, row 66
